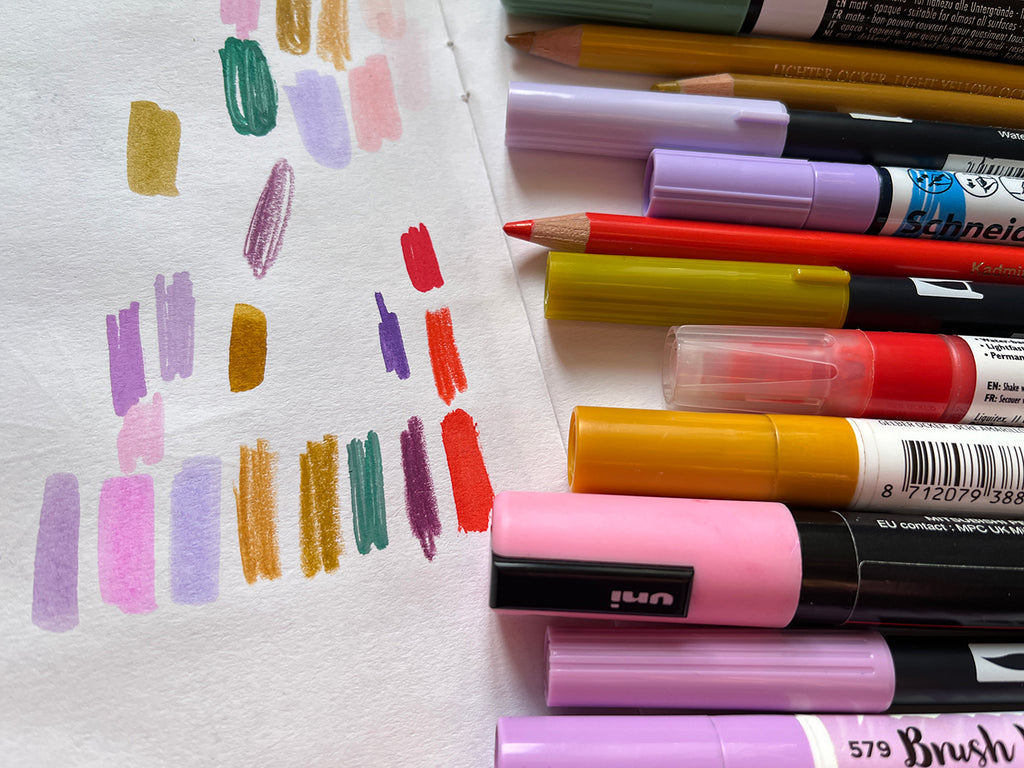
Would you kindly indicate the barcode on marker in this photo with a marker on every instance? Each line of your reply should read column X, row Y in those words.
column 982, row 467
column 983, row 168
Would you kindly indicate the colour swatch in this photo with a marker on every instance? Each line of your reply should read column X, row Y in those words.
column 142, row 434
column 294, row 18
column 474, row 496
column 175, row 325
column 449, row 375
column 420, row 259
column 250, row 93
column 244, row 14
column 126, row 560
column 374, row 108
column 392, row 346
column 256, row 507
column 420, row 499
column 366, row 485
column 247, row 352
column 269, row 220
column 319, row 514
column 195, row 531
column 55, row 580
column 124, row 350
column 154, row 138
column 332, row 41
column 320, row 116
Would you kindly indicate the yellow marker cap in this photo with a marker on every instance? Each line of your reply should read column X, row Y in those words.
column 650, row 290
column 800, row 460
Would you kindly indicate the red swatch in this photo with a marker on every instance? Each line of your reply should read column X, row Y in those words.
column 449, row 375
column 474, row 496
column 420, row 259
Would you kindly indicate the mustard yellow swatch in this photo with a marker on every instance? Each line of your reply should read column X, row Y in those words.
column 154, row 138
column 256, row 506
column 247, row 353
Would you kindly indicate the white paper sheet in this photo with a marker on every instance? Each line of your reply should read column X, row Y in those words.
column 132, row 635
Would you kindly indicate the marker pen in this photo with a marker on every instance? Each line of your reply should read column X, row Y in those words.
column 957, row 469
column 846, row 372
column 966, row 29
column 656, row 291
column 780, row 670
column 628, row 123
column 836, row 197
column 760, row 741
column 751, row 563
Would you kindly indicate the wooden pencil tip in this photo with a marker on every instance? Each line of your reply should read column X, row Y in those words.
column 519, row 229
column 670, row 87
column 521, row 41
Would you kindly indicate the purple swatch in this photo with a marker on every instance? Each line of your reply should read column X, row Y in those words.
column 392, row 346
column 195, row 531
column 175, row 325
column 321, row 119
column 55, row 585
column 127, row 371
column 270, row 219
column 420, row 500
column 127, row 564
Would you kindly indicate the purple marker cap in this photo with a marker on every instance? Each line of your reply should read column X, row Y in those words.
column 719, row 669
column 769, row 191
column 624, row 123
column 664, row 741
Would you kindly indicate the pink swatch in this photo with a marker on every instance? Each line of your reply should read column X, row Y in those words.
column 420, row 259
column 142, row 434
column 374, row 109
column 244, row 14
column 127, row 564
column 385, row 17
column 410, row 67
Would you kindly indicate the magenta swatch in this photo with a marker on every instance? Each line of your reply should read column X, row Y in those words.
column 55, row 583
column 127, row 370
column 175, row 325
column 127, row 564
column 195, row 531
column 420, row 499
column 321, row 119
column 270, row 219
column 392, row 345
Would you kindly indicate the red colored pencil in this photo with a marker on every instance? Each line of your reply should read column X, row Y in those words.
column 860, row 254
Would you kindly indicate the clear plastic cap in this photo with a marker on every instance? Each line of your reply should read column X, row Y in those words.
column 805, row 371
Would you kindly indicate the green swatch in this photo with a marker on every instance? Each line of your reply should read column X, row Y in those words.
column 249, row 88
column 366, row 482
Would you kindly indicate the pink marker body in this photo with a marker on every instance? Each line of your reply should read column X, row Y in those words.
column 751, row 580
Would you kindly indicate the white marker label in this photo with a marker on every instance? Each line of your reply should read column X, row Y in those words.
column 999, row 390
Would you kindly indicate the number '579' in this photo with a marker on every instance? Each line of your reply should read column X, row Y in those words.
column 869, row 748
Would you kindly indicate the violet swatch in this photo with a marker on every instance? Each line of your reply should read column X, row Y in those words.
column 55, row 581
column 320, row 116
column 270, row 219
column 392, row 345
column 126, row 560
column 127, row 370
column 420, row 499
column 175, row 325
column 195, row 531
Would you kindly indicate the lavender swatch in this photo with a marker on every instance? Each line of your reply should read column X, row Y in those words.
column 175, row 325
column 392, row 346
column 195, row 531
column 55, row 584
column 321, row 119
column 270, row 219
column 127, row 370
column 420, row 500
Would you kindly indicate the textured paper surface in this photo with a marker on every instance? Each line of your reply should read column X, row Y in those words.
column 173, row 590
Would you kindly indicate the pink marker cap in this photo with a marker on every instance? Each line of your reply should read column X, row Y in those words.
column 719, row 669
column 768, row 191
column 664, row 741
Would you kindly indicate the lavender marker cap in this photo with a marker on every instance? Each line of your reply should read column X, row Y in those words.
column 624, row 123
column 774, row 192
column 661, row 741
column 719, row 669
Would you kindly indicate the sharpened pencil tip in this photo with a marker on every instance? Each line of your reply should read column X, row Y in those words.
column 521, row 41
column 519, row 229
column 670, row 87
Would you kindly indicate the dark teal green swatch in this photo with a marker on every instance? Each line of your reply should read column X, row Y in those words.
column 366, row 482
column 249, row 88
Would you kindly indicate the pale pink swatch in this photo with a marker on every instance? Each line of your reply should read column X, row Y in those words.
column 126, row 560
column 410, row 67
column 244, row 14
column 142, row 434
column 374, row 109
column 385, row 18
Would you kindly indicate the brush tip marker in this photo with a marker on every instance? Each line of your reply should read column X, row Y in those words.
column 630, row 123
column 759, row 741
column 791, row 670
column 751, row 564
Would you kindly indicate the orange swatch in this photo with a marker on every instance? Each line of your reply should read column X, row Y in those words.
column 471, row 485
column 256, row 505
column 247, row 353
column 319, row 525
column 449, row 375
column 154, row 138
column 293, row 25
column 332, row 43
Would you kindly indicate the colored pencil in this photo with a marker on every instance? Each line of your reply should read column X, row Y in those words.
column 805, row 93
column 681, row 54
column 617, row 235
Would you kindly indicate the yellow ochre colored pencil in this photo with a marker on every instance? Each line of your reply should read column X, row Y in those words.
column 682, row 54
